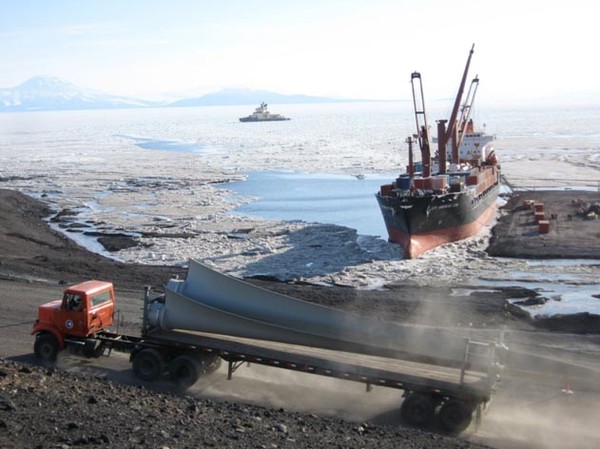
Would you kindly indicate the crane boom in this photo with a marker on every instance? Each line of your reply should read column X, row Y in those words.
column 452, row 129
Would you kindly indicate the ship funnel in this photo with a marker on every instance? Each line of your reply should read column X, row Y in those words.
column 208, row 301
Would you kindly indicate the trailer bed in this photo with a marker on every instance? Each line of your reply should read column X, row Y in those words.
column 371, row 370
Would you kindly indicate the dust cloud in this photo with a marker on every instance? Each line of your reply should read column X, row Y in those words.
column 549, row 395
column 541, row 417
column 303, row 392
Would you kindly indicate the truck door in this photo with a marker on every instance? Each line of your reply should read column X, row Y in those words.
column 72, row 317
column 101, row 311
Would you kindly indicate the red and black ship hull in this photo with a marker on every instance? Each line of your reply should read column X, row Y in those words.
column 420, row 223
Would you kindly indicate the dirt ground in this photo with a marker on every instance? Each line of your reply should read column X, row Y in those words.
column 99, row 404
column 574, row 232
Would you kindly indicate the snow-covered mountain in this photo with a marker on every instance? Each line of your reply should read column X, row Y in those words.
column 248, row 96
column 45, row 93
column 48, row 93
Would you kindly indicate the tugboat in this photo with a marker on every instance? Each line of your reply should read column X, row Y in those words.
column 261, row 114
column 447, row 197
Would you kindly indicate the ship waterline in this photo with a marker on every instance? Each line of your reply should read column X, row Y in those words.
column 453, row 220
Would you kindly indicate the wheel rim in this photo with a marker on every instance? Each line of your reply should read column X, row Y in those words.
column 46, row 347
column 455, row 416
column 417, row 409
column 148, row 364
column 147, row 367
column 46, row 350
column 184, row 371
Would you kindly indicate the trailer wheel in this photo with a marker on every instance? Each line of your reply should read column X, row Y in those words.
column 148, row 364
column 46, row 347
column 455, row 416
column 417, row 409
column 210, row 363
column 185, row 371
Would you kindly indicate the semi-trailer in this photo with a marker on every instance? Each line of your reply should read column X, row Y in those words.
column 196, row 323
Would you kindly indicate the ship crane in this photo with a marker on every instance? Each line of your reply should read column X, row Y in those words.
column 421, row 122
column 467, row 107
column 452, row 131
column 455, row 128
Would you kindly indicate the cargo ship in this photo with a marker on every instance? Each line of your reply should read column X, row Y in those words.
column 448, row 196
column 261, row 114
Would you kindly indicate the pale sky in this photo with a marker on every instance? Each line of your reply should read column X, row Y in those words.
column 345, row 48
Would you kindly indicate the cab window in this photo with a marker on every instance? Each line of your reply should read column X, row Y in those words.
column 100, row 298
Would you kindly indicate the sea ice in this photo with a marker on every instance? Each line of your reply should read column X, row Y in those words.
column 93, row 162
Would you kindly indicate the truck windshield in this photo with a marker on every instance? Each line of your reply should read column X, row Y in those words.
column 73, row 302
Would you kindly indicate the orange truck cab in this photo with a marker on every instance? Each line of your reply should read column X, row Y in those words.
column 85, row 309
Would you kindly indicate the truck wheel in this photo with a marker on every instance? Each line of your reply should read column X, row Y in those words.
column 185, row 371
column 46, row 347
column 455, row 416
column 148, row 364
column 417, row 409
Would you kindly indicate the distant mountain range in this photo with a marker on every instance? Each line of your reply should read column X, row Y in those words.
column 51, row 93
column 247, row 96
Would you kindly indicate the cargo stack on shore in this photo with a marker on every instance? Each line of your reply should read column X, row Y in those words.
column 548, row 224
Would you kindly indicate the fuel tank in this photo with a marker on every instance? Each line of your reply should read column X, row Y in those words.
column 209, row 301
